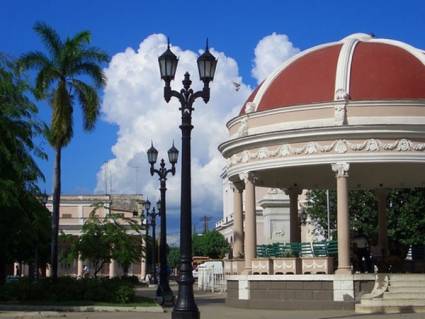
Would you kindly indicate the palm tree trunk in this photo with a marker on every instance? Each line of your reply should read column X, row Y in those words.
column 55, row 214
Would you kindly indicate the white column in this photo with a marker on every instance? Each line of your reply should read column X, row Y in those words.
column 112, row 269
column 48, row 271
column 250, row 221
column 341, row 170
column 16, row 267
column 294, row 221
column 79, row 267
column 381, row 197
column 143, row 259
column 142, row 268
column 238, row 236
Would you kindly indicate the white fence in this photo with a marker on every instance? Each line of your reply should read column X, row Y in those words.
column 210, row 280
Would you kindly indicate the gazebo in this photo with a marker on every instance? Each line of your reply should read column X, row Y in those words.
column 347, row 115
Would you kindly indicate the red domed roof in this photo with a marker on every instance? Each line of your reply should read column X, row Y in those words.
column 359, row 67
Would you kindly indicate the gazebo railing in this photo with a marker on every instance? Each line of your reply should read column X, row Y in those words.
column 304, row 249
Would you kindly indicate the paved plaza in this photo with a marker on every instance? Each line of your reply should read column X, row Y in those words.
column 212, row 306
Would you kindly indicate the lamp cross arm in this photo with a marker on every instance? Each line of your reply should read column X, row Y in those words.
column 169, row 93
column 204, row 94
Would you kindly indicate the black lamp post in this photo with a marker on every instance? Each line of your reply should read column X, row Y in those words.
column 185, row 306
column 164, row 289
column 152, row 214
column 44, row 198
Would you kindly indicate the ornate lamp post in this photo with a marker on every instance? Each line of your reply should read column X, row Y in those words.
column 164, row 289
column 185, row 306
column 152, row 214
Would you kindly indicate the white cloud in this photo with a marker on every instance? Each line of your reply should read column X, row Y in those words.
column 270, row 52
column 133, row 100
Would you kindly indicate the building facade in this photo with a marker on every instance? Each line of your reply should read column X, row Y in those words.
column 76, row 209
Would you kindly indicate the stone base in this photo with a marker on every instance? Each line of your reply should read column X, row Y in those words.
column 291, row 292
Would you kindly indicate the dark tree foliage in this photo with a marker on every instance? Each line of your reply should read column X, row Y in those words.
column 23, row 218
column 406, row 214
column 174, row 257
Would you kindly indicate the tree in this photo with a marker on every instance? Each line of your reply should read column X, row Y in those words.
column 362, row 206
column 59, row 81
column 22, row 216
column 211, row 244
column 126, row 248
column 406, row 218
column 94, row 244
column 106, row 238
column 174, row 257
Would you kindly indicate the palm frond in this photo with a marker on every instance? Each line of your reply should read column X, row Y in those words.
column 89, row 101
column 93, row 54
column 49, row 37
column 35, row 59
column 81, row 38
column 93, row 70
column 44, row 79
column 61, row 128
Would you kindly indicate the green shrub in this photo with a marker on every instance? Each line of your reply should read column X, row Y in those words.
column 68, row 289
column 124, row 294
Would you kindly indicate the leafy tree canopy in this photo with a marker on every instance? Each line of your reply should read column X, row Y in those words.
column 211, row 244
column 23, row 218
column 405, row 207
column 106, row 238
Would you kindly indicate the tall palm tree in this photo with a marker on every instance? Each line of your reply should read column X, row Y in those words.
column 60, row 80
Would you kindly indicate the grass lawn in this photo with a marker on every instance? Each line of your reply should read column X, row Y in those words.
column 138, row 302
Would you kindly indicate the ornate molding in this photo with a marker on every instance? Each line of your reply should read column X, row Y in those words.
column 248, row 176
column 341, row 99
column 293, row 191
column 250, row 107
column 243, row 128
column 341, row 169
column 274, row 191
column 338, row 146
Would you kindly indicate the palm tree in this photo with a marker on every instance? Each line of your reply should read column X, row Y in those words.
column 59, row 81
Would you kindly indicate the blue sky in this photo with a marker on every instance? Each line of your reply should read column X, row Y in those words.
column 233, row 27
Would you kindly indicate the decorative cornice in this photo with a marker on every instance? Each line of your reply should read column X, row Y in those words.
column 341, row 169
column 293, row 191
column 338, row 146
column 248, row 176
column 243, row 128
column 327, row 105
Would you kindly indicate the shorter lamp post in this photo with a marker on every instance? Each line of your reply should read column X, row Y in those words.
column 164, row 289
column 44, row 198
column 152, row 214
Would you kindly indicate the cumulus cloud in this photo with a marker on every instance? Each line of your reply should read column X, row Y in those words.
column 133, row 100
column 270, row 52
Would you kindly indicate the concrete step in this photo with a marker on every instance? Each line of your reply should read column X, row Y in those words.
column 388, row 309
column 413, row 284
column 407, row 277
column 418, row 290
column 405, row 295
column 392, row 302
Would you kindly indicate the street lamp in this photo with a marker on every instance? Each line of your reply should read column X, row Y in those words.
column 185, row 306
column 164, row 289
column 152, row 214
column 44, row 198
